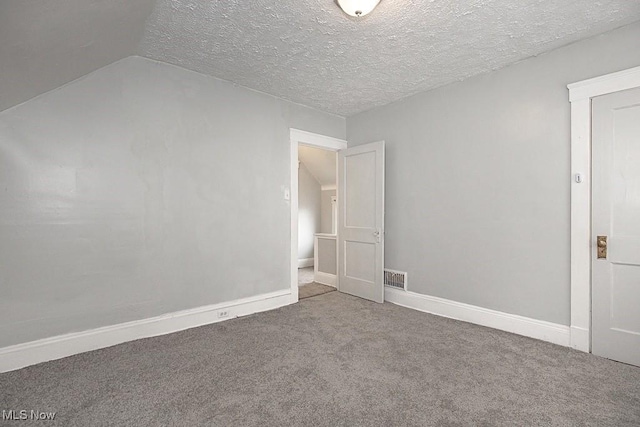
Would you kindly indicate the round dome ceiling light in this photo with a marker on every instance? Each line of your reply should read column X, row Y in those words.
column 357, row 8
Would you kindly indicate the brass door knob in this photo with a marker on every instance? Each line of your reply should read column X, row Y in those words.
column 602, row 247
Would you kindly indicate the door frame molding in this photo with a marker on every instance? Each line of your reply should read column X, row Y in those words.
column 296, row 137
column 580, row 95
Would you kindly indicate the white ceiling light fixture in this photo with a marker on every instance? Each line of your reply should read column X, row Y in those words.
column 358, row 8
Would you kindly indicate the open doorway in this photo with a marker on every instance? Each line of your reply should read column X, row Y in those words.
column 314, row 212
column 317, row 216
column 359, row 238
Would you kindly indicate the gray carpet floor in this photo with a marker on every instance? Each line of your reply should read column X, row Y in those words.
column 331, row 360
column 307, row 288
column 305, row 276
column 313, row 290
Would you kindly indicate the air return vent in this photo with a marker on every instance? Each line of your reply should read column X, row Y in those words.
column 395, row 279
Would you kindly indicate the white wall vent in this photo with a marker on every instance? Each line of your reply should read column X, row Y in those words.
column 395, row 279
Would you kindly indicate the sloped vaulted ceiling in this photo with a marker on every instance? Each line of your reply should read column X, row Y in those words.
column 306, row 51
column 47, row 43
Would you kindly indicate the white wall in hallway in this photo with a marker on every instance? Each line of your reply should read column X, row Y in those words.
column 326, row 207
column 308, row 212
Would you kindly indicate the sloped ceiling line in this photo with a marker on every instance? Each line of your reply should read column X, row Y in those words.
column 306, row 51
column 321, row 164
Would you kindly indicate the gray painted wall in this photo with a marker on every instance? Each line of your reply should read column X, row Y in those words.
column 325, row 208
column 478, row 176
column 327, row 257
column 308, row 211
column 142, row 189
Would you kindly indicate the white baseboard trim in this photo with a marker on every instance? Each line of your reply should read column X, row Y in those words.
column 580, row 339
column 22, row 355
column 539, row 329
column 325, row 278
column 307, row 262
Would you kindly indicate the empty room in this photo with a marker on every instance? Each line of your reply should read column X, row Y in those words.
column 320, row 212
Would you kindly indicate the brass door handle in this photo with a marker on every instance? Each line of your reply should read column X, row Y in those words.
column 602, row 247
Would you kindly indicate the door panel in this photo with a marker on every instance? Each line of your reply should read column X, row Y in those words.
column 360, row 260
column 625, row 314
column 360, row 200
column 616, row 214
column 361, row 221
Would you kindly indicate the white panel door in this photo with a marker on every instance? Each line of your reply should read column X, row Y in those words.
column 616, row 217
column 361, row 221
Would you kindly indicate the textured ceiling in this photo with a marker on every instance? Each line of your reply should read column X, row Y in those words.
column 307, row 51
column 310, row 52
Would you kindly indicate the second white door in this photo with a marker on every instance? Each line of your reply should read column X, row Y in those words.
column 616, row 227
column 361, row 221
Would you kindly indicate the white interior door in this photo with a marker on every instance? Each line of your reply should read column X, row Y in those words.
column 616, row 218
column 361, row 221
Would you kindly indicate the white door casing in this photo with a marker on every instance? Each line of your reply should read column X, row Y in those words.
column 334, row 214
column 296, row 137
column 361, row 221
column 616, row 216
column 580, row 95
